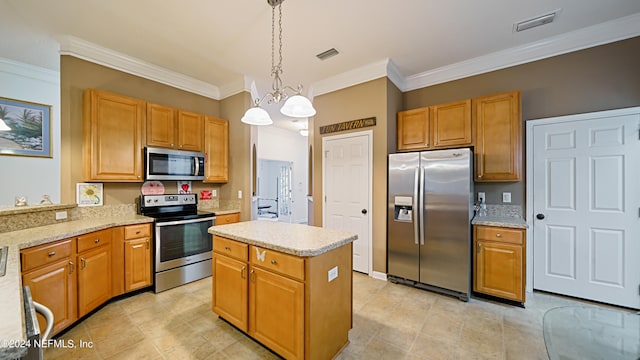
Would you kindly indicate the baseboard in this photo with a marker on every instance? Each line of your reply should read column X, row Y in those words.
column 379, row 275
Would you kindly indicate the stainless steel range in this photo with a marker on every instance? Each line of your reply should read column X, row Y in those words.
column 182, row 244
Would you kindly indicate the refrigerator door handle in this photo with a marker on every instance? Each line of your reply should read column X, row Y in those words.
column 421, row 209
column 416, row 212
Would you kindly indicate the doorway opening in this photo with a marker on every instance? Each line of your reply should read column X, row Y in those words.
column 275, row 192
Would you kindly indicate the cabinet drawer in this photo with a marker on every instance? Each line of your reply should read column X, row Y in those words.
column 137, row 231
column 45, row 254
column 93, row 240
column 285, row 264
column 227, row 219
column 507, row 235
column 231, row 248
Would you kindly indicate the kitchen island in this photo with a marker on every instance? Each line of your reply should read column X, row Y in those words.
column 288, row 286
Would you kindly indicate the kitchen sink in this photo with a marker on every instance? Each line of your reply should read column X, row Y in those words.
column 4, row 251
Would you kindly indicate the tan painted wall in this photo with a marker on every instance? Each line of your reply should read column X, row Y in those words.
column 360, row 101
column 240, row 142
column 600, row 78
column 78, row 75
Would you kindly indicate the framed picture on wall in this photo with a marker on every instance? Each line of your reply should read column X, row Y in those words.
column 25, row 128
column 89, row 194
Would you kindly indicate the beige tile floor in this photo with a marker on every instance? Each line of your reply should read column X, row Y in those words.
column 390, row 321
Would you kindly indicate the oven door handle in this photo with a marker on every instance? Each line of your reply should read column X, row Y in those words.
column 180, row 222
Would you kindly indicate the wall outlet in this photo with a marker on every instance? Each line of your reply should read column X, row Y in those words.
column 214, row 193
column 481, row 197
column 239, row 194
column 506, row 197
column 61, row 215
column 332, row 273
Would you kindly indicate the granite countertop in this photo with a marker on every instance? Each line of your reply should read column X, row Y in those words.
column 12, row 326
column 221, row 210
column 516, row 222
column 294, row 239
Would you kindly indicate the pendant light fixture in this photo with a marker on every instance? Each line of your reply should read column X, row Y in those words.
column 296, row 105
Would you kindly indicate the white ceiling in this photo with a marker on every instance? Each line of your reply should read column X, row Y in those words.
column 218, row 45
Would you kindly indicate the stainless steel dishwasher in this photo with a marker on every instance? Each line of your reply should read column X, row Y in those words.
column 34, row 337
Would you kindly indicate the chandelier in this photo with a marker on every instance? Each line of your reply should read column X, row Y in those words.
column 296, row 105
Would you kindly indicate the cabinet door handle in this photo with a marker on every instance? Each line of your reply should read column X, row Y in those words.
column 96, row 241
column 147, row 244
column 498, row 235
column 138, row 232
column 72, row 267
column 252, row 276
column 227, row 248
column 273, row 262
column 242, row 272
column 52, row 253
column 479, row 245
column 83, row 263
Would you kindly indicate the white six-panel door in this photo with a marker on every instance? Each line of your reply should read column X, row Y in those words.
column 586, row 206
column 346, row 173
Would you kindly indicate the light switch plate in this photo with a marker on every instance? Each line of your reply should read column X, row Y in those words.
column 239, row 194
column 332, row 273
column 61, row 215
column 506, row 197
column 214, row 192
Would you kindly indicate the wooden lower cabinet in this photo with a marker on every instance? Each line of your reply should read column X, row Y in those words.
column 94, row 279
column 137, row 257
column 227, row 218
column 74, row 276
column 137, row 264
column 276, row 306
column 54, row 286
column 499, row 262
column 284, row 301
column 230, row 290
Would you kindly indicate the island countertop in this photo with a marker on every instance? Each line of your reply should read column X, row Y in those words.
column 294, row 239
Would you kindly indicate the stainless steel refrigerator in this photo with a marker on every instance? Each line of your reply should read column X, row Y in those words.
column 430, row 208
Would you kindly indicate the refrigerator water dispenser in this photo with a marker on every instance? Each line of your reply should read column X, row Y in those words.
column 403, row 208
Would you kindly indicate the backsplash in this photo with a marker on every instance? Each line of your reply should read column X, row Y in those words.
column 91, row 212
column 504, row 210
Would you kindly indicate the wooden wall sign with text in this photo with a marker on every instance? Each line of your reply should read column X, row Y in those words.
column 348, row 125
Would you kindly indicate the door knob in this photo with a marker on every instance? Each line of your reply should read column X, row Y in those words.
column 540, row 216
column 364, row 211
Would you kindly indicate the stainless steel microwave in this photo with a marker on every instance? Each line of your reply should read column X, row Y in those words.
column 168, row 164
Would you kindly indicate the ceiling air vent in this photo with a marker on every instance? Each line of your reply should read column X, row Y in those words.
column 327, row 54
column 536, row 21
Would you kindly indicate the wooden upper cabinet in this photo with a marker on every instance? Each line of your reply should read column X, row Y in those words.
column 174, row 129
column 498, row 147
column 113, row 137
column 190, row 127
column 413, row 130
column 216, row 148
column 161, row 126
column 451, row 124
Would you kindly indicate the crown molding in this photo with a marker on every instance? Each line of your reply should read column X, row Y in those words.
column 238, row 85
column 607, row 32
column 87, row 51
column 352, row 77
column 611, row 31
column 394, row 74
column 29, row 71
